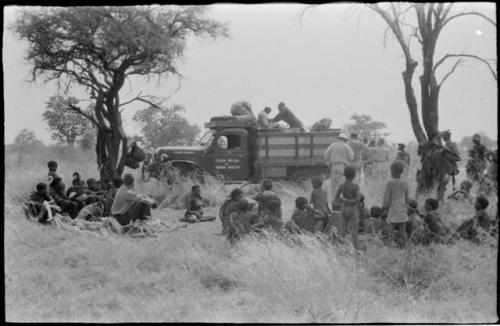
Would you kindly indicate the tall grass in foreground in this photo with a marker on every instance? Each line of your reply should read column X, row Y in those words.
column 194, row 275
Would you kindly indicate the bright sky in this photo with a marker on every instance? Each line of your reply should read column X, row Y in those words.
column 331, row 64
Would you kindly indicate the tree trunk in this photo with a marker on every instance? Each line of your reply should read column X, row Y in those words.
column 411, row 101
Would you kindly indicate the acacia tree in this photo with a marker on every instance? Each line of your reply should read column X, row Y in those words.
column 165, row 126
column 426, row 25
column 66, row 125
column 99, row 48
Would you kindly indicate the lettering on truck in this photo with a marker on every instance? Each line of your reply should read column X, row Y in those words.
column 227, row 164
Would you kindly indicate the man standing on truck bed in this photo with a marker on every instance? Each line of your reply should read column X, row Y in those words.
column 285, row 114
column 263, row 119
column 338, row 155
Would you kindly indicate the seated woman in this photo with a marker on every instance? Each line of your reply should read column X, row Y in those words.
column 128, row 205
column 44, row 206
column 56, row 191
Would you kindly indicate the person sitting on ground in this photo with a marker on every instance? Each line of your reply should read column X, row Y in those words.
column 230, row 205
column 319, row 202
column 91, row 212
column 481, row 220
column 194, row 205
column 44, row 206
column 464, row 193
column 348, row 196
column 242, row 221
column 117, row 183
column 52, row 165
column 433, row 222
column 304, row 217
column 56, row 191
column 272, row 218
column 128, row 205
column 102, row 195
column 414, row 219
column 373, row 224
column 395, row 203
column 265, row 196
column 285, row 114
column 79, row 192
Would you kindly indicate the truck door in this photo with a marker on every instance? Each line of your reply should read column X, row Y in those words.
column 228, row 154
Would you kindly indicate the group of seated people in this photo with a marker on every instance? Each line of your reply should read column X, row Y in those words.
column 239, row 218
column 88, row 200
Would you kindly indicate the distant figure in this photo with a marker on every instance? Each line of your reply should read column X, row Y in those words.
column 402, row 155
column 348, row 196
column 263, row 118
column 129, row 205
column 337, row 156
column 285, row 114
column 395, row 201
column 477, row 159
column 52, row 165
column 453, row 153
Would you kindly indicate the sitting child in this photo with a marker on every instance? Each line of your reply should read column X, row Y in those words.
column 242, row 221
column 52, row 165
column 229, row 206
column 373, row 224
column 194, row 205
column 433, row 229
column 304, row 217
column 414, row 219
column 91, row 212
column 44, row 206
column 320, row 203
column 481, row 220
column 56, row 191
column 265, row 196
column 464, row 193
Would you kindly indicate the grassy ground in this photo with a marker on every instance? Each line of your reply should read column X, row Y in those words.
column 192, row 274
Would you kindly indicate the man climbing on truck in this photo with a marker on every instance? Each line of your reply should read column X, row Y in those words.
column 285, row 114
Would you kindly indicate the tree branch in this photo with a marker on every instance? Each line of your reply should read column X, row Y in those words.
column 80, row 111
column 142, row 99
column 471, row 13
column 440, row 61
column 455, row 66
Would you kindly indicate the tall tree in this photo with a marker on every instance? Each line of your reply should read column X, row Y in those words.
column 365, row 126
column 430, row 18
column 165, row 126
column 99, row 48
column 425, row 23
column 66, row 125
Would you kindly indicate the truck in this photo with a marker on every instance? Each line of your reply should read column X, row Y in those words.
column 235, row 150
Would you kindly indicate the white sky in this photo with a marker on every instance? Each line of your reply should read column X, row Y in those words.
column 333, row 64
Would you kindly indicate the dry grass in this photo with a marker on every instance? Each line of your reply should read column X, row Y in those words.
column 194, row 275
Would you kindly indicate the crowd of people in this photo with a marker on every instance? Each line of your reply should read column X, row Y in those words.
column 397, row 220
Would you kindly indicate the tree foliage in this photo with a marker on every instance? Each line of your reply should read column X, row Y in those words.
column 365, row 126
column 26, row 140
column 165, row 126
column 66, row 125
column 99, row 48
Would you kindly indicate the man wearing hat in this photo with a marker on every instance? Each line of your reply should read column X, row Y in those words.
column 338, row 155
column 453, row 153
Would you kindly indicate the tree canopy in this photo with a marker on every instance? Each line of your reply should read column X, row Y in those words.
column 99, row 48
column 365, row 126
column 165, row 126
column 66, row 125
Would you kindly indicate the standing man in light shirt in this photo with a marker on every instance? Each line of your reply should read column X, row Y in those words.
column 128, row 205
column 338, row 155
column 360, row 153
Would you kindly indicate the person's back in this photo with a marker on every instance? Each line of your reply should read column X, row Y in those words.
column 360, row 150
column 349, row 196
column 285, row 114
column 339, row 152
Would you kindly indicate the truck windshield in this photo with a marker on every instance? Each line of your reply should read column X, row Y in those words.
column 207, row 138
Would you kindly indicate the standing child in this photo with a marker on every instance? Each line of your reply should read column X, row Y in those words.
column 348, row 195
column 395, row 201
column 320, row 203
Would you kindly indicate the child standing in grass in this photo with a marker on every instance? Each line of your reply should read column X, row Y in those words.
column 349, row 196
column 320, row 203
column 395, row 201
